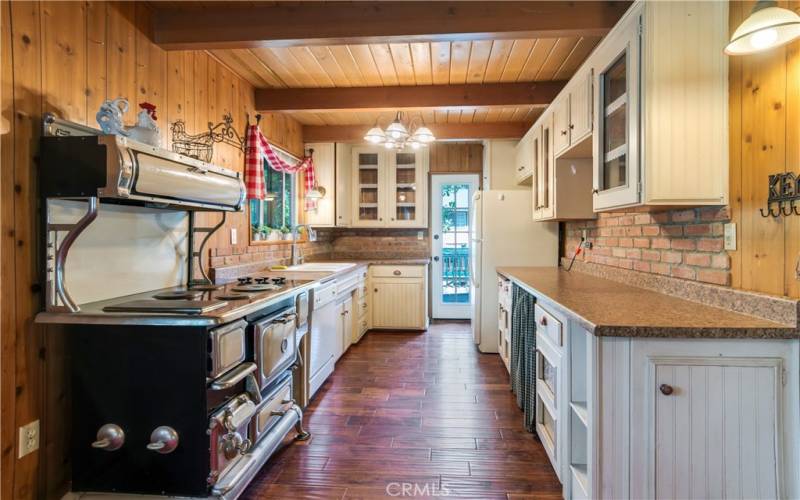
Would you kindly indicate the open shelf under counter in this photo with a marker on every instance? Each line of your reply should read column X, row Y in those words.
column 581, row 411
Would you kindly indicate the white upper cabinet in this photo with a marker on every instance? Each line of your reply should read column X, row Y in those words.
column 389, row 187
column 580, row 106
column 661, row 95
column 344, row 210
column 572, row 117
column 324, row 215
column 523, row 170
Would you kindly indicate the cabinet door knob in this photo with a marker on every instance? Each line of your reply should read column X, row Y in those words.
column 543, row 321
column 571, row 126
column 665, row 389
column 563, row 132
column 376, row 290
column 595, row 191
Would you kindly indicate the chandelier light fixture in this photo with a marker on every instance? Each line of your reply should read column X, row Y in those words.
column 399, row 135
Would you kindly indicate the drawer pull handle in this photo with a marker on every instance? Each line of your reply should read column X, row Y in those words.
column 666, row 389
column 543, row 321
column 397, row 273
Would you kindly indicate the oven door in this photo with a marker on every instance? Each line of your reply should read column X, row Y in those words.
column 229, row 430
column 271, row 409
column 226, row 348
column 275, row 346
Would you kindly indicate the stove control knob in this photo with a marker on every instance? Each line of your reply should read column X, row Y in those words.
column 163, row 439
column 110, row 437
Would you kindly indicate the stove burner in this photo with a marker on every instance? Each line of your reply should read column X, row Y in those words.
column 254, row 288
column 245, row 281
column 204, row 288
column 262, row 281
column 177, row 295
column 279, row 280
column 232, row 296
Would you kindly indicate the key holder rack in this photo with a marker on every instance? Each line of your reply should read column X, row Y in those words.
column 784, row 188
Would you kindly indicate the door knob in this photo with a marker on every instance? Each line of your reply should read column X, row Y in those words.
column 436, row 259
column 666, row 389
column 110, row 437
column 164, row 439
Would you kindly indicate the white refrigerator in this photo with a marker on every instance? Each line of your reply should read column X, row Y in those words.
column 503, row 233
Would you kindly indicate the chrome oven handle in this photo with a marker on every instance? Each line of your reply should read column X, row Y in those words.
column 286, row 319
column 233, row 377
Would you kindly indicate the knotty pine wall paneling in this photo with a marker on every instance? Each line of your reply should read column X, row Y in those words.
column 764, row 139
column 67, row 57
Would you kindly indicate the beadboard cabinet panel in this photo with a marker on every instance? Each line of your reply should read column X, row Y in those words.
column 713, row 411
column 685, row 103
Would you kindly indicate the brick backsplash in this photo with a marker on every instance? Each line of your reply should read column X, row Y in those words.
column 351, row 243
column 336, row 243
column 684, row 244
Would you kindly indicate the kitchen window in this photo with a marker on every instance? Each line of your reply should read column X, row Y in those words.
column 280, row 211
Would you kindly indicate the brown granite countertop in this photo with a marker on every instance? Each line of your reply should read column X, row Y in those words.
column 611, row 309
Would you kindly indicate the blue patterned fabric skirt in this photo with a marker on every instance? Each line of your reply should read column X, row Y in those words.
column 523, row 354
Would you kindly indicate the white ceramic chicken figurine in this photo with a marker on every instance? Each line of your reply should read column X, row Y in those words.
column 146, row 130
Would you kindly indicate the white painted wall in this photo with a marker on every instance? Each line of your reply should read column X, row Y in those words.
column 498, row 164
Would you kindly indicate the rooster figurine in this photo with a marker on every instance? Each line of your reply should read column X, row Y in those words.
column 146, row 130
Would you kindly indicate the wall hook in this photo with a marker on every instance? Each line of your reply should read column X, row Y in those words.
column 770, row 212
column 786, row 211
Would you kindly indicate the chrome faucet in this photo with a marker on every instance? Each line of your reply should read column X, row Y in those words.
column 297, row 253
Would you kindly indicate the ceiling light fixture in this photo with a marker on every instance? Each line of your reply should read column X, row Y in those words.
column 766, row 27
column 399, row 135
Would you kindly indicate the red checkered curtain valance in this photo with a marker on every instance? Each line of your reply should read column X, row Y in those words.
column 257, row 151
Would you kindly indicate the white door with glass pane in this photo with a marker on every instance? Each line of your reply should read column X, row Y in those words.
column 451, row 200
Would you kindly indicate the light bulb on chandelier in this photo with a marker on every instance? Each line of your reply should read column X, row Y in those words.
column 399, row 135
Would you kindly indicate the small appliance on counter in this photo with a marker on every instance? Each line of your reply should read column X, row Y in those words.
column 182, row 391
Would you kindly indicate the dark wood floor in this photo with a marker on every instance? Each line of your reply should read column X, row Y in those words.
column 424, row 409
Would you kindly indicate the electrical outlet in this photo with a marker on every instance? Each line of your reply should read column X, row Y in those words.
column 28, row 438
column 729, row 231
column 420, row 236
column 233, row 236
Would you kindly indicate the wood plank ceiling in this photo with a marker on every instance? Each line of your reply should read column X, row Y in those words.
column 409, row 64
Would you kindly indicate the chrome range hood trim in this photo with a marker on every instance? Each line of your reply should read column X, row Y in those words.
column 137, row 172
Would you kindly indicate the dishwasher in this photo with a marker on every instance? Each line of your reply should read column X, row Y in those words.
column 322, row 335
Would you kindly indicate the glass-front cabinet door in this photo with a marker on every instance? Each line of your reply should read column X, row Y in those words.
column 407, row 173
column 616, row 159
column 368, row 192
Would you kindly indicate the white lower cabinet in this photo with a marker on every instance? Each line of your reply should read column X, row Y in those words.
column 668, row 418
column 399, row 297
column 717, row 418
column 344, row 326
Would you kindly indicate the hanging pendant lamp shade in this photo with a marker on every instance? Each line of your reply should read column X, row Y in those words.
column 396, row 130
column 424, row 135
column 375, row 135
column 767, row 26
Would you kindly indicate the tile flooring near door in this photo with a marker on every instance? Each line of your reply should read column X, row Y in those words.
column 421, row 411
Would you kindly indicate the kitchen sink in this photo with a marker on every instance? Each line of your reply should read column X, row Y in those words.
column 315, row 267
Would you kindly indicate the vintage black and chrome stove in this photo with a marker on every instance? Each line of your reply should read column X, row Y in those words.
column 185, row 390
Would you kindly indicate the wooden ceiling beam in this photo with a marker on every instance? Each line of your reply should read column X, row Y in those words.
column 442, row 131
column 285, row 24
column 419, row 96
